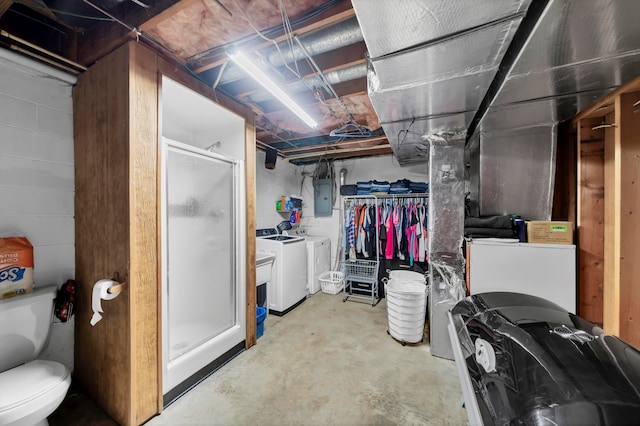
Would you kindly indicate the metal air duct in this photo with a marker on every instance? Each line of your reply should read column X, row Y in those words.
column 344, row 33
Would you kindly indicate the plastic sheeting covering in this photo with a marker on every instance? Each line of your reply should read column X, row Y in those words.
column 407, row 137
column 411, row 22
column 446, row 227
column 524, row 360
column 413, row 74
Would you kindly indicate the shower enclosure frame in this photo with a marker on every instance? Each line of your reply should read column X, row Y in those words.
column 187, row 369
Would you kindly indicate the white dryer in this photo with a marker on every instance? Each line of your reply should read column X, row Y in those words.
column 318, row 256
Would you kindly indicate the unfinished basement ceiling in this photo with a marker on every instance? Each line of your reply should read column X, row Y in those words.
column 401, row 69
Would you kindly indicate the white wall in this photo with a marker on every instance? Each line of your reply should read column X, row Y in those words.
column 270, row 186
column 37, row 176
column 379, row 168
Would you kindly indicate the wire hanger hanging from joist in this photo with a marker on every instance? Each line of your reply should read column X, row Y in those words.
column 351, row 130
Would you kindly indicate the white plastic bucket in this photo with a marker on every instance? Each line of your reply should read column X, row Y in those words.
column 406, row 308
column 405, row 288
column 407, row 276
column 409, row 306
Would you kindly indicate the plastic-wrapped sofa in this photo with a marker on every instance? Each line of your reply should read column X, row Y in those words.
column 524, row 360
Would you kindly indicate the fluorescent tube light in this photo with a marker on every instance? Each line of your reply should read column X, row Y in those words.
column 261, row 77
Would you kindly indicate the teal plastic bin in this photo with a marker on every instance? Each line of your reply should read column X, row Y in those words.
column 261, row 314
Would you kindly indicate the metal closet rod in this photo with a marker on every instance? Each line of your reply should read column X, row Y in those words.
column 347, row 199
column 415, row 195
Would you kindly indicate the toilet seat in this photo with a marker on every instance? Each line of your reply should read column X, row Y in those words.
column 32, row 391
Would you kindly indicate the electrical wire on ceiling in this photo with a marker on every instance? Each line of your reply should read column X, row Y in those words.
column 275, row 135
column 290, row 37
column 39, row 21
column 139, row 3
column 142, row 35
column 404, row 133
column 264, row 37
column 61, row 12
column 273, row 30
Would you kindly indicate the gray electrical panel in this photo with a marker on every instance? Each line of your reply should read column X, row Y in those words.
column 322, row 197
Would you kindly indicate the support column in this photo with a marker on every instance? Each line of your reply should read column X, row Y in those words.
column 446, row 229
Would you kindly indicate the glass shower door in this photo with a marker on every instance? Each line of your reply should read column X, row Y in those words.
column 201, row 294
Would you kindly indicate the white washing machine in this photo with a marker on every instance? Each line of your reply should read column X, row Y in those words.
column 318, row 256
column 287, row 287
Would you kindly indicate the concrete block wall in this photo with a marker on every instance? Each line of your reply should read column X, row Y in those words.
column 37, row 175
column 379, row 168
column 284, row 179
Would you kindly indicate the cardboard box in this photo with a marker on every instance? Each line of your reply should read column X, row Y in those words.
column 16, row 267
column 553, row 232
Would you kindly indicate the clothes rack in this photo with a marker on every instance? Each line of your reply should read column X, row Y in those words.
column 361, row 273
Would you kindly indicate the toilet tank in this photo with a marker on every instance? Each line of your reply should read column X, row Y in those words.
column 25, row 322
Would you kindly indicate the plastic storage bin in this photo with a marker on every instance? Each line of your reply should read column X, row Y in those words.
column 261, row 314
column 331, row 282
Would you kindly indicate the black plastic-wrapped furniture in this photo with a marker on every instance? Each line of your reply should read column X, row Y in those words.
column 524, row 360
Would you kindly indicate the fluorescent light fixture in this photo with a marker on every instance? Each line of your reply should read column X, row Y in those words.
column 261, row 77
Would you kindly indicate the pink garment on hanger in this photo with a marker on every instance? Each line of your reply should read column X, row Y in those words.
column 388, row 254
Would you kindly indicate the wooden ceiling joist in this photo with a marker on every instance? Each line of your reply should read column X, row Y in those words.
column 106, row 36
column 343, row 153
column 4, row 6
column 207, row 60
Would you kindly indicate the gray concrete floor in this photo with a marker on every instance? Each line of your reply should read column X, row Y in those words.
column 325, row 363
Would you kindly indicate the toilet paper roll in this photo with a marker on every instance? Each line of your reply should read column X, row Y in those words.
column 100, row 292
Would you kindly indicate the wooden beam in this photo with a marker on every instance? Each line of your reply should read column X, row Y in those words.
column 167, row 13
column 590, row 223
column 4, row 6
column 106, row 36
column 611, row 291
column 144, row 262
column 328, row 152
column 627, row 135
column 353, row 154
column 336, row 145
column 605, row 104
column 211, row 59
column 250, row 232
column 38, row 7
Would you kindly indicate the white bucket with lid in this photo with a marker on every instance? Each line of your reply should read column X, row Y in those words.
column 407, row 276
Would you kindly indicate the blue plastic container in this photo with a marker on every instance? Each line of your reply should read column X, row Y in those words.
column 261, row 314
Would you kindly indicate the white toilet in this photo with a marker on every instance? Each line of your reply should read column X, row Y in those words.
column 30, row 389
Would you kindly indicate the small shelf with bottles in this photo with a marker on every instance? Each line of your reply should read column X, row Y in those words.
column 288, row 205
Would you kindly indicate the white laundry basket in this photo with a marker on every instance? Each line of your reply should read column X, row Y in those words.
column 406, row 309
column 331, row 282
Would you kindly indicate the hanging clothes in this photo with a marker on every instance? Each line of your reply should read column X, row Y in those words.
column 421, row 234
column 388, row 254
column 352, row 234
column 389, row 228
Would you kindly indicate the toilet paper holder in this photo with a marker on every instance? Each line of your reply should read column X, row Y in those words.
column 116, row 288
column 105, row 289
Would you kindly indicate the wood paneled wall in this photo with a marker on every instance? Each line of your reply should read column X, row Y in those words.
column 590, row 224
column 608, row 211
column 118, row 362
column 115, row 136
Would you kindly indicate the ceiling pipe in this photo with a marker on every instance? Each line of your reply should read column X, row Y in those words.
column 342, row 34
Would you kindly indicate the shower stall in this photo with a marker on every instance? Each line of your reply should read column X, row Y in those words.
column 202, row 226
